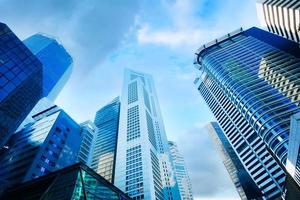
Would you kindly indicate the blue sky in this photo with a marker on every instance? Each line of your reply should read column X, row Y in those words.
column 154, row 36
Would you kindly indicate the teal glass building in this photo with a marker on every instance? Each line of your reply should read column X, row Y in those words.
column 250, row 81
column 20, row 82
column 71, row 183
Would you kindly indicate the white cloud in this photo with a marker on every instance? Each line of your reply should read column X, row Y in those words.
column 172, row 38
column 189, row 30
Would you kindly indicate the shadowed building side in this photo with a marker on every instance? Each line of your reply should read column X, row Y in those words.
column 245, row 186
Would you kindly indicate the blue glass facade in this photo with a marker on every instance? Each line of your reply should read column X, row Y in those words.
column 105, row 146
column 250, row 80
column 236, row 64
column 50, row 143
column 20, row 82
column 57, row 63
column 245, row 186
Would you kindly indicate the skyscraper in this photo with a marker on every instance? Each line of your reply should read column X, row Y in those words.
column 57, row 63
column 88, row 132
column 20, row 82
column 180, row 171
column 57, row 68
column 143, row 168
column 104, row 154
column 280, row 17
column 249, row 105
column 243, row 182
column 50, row 143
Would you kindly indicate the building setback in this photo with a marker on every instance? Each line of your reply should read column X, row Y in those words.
column 143, row 167
column 105, row 145
column 252, row 109
column 180, row 171
column 243, row 182
column 280, row 17
column 20, row 82
column 50, row 143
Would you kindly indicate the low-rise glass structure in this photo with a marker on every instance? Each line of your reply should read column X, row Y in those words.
column 72, row 183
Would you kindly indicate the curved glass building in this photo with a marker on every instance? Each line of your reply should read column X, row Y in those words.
column 106, row 137
column 250, row 81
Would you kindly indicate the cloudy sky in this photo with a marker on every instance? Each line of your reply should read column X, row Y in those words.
column 153, row 36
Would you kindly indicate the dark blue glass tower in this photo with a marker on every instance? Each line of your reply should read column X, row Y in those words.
column 105, row 147
column 57, row 63
column 250, row 80
column 50, row 143
column 20, row 82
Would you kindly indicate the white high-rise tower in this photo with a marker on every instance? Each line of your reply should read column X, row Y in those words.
column 143, row 167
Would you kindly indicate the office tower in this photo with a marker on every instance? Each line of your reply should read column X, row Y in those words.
column 20, row 82
column 88, row 132
column 244, row 184
column 180, row 171
column 74, row 182
column 251, row 110
column 280, row 17
column 57, row 63
column 104, row 154
column 50, row 143
column 143, row 168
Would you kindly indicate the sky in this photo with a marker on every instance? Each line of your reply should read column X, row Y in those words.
column 158, row 37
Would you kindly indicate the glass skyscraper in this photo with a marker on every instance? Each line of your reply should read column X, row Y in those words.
column 143, row 167
column 180, row 171
column 20, row 82
column 57, row 63
column 88, row 132
column 105, row 147
column 239, row 81
column 243, row 182
column 50, row 143
column 57, row 68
